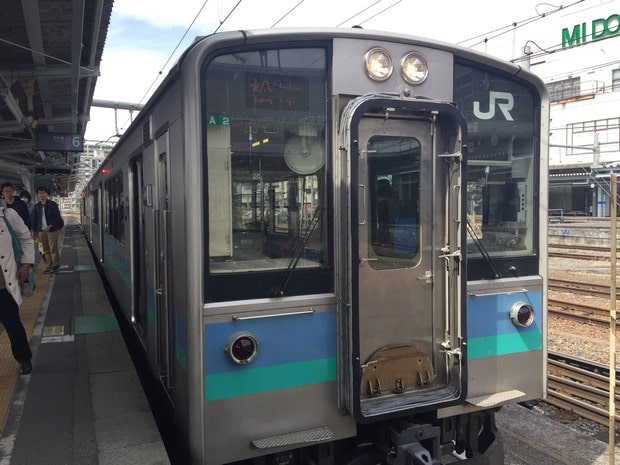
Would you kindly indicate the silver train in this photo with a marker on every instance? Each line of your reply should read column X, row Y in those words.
column 331, row 245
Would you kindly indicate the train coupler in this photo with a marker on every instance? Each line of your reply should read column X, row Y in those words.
column 416, row 445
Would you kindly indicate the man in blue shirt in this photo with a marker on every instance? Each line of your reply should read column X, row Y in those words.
column 47, row 224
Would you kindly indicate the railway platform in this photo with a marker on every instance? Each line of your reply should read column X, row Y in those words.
column 83, row 403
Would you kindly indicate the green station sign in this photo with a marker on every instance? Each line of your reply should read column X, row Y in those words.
column 587, row 32
column 219, row 120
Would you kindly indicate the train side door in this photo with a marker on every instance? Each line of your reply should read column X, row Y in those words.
column 405, row 256
column 163, row 290
column 101, row 219
column 140, row 199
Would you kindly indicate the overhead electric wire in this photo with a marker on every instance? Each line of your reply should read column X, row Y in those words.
column 587, row 69
column 381, row 12
column 175, row 49
column 503, row 30
column 518, row 24
column 227, row 16
column 288, row 13
column 359, row 13
column 161, row 71
column 560, row 48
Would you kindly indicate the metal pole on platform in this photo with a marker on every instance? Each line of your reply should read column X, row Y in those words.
column 613, row 235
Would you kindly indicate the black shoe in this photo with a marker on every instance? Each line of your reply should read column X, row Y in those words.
column 25, row 368
column 55, row 269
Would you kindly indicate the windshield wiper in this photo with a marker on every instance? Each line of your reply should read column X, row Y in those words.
column 495, row 273
column 297, row 249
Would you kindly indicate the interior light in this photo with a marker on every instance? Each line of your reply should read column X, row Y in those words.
column 378, row 64
column 414, row 68
column 242, row 348
column 522, row 314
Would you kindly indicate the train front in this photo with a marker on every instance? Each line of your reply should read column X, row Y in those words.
column 374, row 281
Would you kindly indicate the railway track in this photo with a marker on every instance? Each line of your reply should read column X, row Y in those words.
column 579, row 312
column 581, row 387
column 599, row 290
column 577, row 385
column 589, row 252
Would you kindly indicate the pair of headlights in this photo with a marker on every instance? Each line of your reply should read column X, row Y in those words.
column 379, row 66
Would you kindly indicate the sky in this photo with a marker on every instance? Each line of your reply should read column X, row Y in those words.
column 146, row 37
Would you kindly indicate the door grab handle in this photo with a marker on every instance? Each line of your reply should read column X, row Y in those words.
column 362, row 260
column 485, row 294
column 362, row 213
column 272, row 315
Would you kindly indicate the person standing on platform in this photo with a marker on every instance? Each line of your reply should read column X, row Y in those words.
column 46, row 224
column 17, row 204
column 14, row 274
column 27, row 198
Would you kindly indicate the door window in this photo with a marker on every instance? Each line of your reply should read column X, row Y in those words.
column 394, row 176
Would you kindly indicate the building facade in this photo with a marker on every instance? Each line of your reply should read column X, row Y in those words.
column 575, row 50
column 582, row 74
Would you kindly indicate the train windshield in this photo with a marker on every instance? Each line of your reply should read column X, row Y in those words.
column 265, row 143
column 502, row 201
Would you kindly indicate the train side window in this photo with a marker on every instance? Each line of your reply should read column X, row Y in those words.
column 115, row 225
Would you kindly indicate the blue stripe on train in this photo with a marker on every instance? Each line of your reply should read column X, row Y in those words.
column 282, row 340
column 490, row 315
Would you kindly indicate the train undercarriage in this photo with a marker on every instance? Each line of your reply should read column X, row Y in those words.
column 471, row 439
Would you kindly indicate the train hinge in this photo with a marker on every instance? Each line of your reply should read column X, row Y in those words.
column 455, row 354
column 447, row 254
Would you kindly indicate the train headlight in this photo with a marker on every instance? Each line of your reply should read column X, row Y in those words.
column 414, row 68
column 378, row 64
column 522, row 314
column 242, row 348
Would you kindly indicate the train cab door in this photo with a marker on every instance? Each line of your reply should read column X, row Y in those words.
column 163, row 275
column 406, row 264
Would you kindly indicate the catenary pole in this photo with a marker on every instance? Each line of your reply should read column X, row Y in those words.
column 613, row 234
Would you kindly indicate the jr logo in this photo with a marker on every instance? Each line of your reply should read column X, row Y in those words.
column 504, row 101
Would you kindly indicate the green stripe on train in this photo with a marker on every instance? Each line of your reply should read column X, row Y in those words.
column 249, row 381
column 503, row 344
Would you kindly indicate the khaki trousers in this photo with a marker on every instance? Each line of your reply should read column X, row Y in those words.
column 50, row 242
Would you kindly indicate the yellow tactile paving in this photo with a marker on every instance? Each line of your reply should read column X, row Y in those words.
column 29, row 312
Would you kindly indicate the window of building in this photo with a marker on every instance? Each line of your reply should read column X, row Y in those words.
column 567, row 88
column 615, row 80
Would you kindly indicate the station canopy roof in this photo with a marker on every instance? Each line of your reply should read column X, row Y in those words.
column 50, row 53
